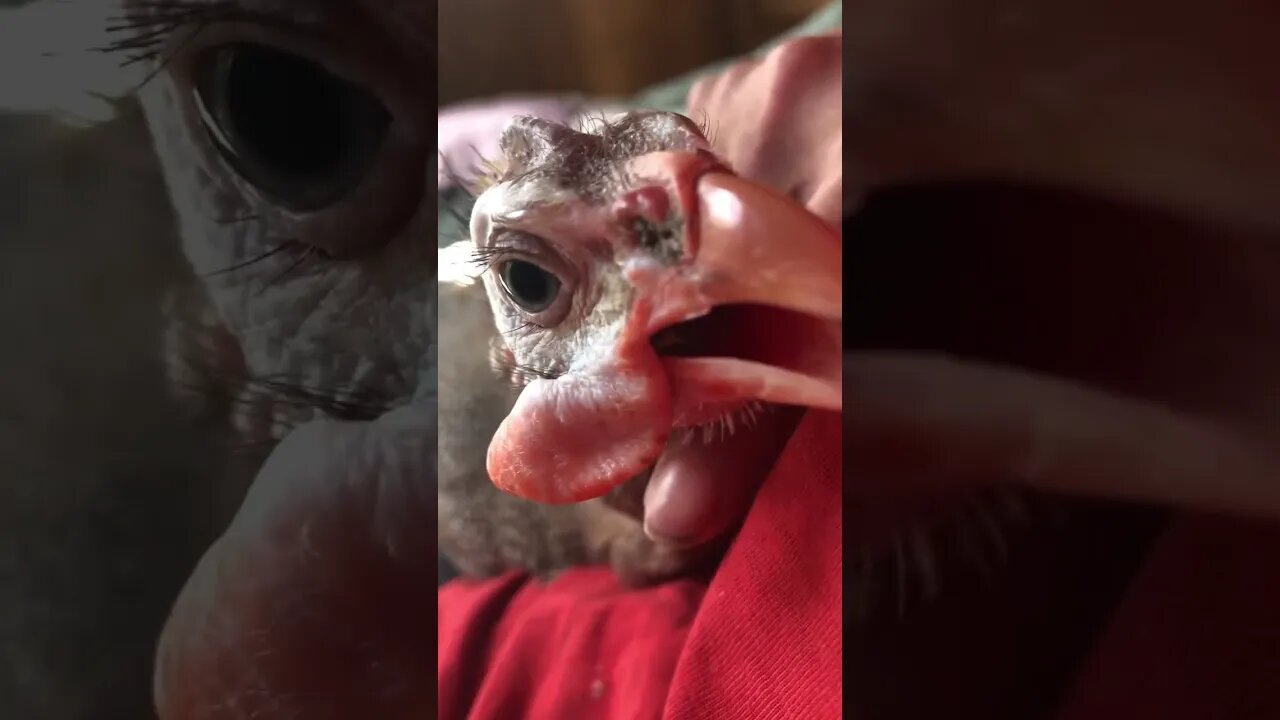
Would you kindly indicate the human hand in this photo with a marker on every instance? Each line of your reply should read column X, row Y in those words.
column 777, row 120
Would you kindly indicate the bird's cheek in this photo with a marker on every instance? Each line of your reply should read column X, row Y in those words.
column 579, row 436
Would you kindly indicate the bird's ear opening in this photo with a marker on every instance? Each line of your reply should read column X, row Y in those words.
column 54, row 61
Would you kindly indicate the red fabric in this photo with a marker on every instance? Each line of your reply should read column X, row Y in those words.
column 1197, row 638
column 579, row 647
column 762, row 641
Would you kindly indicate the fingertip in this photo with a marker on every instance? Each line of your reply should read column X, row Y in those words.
column 678, row 505
column 698, row 491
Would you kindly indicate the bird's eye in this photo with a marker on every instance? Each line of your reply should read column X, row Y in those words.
column 295, row 131
column 528, row 285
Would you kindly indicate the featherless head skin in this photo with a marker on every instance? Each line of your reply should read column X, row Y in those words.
column 642, row 290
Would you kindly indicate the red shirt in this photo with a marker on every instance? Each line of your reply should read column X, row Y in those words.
column 763, row 640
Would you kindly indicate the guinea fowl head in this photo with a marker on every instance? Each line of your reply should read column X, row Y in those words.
column 641, row 287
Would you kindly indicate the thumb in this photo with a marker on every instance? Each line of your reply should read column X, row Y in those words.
column 703, row 485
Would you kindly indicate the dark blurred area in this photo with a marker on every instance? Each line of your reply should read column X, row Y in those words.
column 491, row 47
column 107, row 497
column 103, row 504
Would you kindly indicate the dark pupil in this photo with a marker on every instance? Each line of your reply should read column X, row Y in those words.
column 293, row 129
column 533, row 288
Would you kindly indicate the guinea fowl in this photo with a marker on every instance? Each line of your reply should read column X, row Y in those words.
column 644, row 295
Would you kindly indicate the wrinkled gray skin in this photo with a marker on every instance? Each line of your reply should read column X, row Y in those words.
column 358, row 326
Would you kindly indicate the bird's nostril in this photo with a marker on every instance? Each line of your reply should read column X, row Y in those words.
column 648, row 215
column 658, row 238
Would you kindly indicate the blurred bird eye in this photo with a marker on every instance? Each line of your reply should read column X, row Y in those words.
column 528, row 285
column 299, row 134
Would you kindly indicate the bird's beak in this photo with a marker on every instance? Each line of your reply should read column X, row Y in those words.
column 751, row 311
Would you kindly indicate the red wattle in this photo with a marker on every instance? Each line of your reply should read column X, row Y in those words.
column 579, row 436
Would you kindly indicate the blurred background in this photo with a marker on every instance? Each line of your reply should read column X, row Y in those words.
column 596, row 47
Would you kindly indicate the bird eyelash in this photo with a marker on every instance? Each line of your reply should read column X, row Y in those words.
column 486, row 259
column 522, row 330
column 503, row 361
column 233, row 389
column 147, row 27
column 304, row 254
column 262, row 257
column 299, row 252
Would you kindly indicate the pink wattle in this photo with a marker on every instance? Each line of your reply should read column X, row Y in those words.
column 578, row 436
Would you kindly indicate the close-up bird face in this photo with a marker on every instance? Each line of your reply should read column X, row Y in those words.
column 641, row 288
